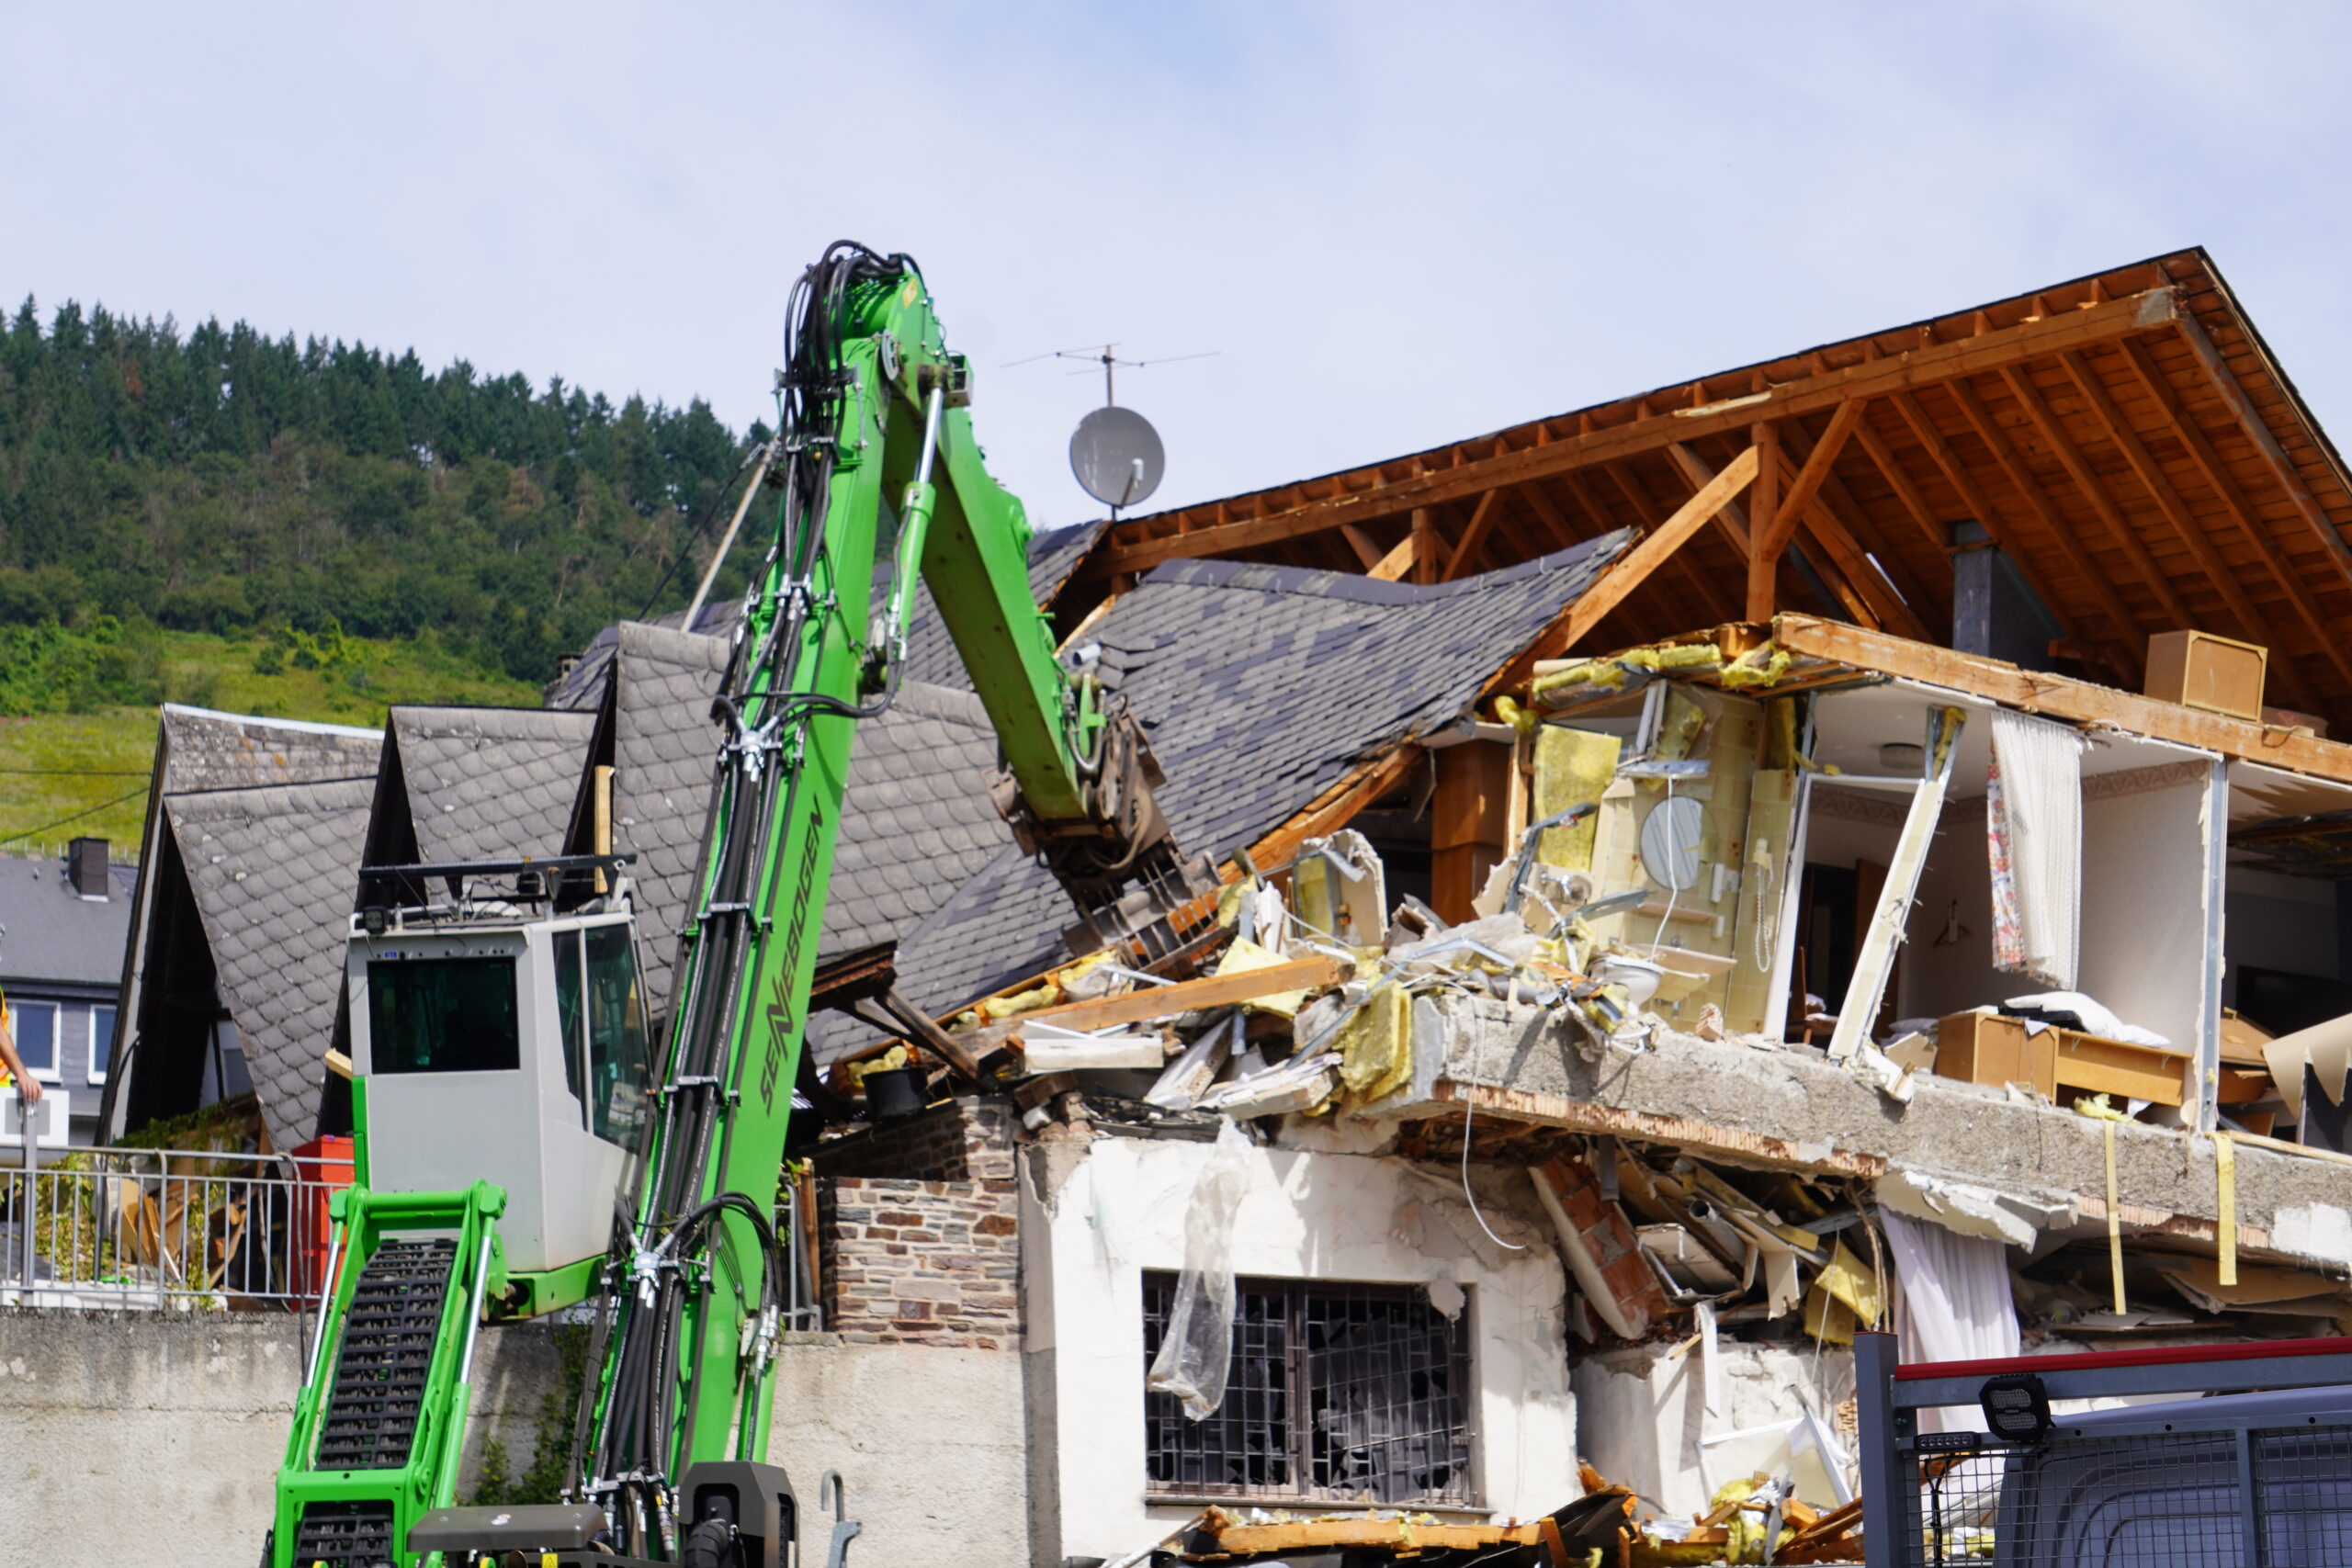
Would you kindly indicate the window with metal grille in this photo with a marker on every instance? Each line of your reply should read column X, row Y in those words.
column 1335, row 1391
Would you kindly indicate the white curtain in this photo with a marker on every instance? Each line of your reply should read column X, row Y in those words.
column 2033, row 809
column 1954, row 1304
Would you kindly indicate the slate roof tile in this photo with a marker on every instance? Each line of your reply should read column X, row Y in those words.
column 489, row 783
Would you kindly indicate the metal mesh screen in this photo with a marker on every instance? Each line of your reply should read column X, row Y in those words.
column 1354, row 1392
column 2169, row 1498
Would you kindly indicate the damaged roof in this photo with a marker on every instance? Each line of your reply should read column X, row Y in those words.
column 486, row 784
column 2127, row 439
column 1261, row 686
column 272, row 871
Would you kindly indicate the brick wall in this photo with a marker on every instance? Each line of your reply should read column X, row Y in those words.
column 918, row 1231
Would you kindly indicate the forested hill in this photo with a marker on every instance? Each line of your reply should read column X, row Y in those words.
column 221, row 480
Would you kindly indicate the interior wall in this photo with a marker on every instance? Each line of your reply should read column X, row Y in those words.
column 2143, row 917
column 1948, row 954
column 2279, row 922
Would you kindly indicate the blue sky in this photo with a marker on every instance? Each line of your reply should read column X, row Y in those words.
column 1396, row 224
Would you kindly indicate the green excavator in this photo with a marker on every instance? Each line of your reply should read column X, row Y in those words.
column 521, row 1146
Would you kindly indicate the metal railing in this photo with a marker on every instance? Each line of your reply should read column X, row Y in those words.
column 147, row 1230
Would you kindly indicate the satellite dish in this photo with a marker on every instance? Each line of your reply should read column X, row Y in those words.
column 1117, row 457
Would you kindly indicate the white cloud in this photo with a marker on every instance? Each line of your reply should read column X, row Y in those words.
column 1399, row 224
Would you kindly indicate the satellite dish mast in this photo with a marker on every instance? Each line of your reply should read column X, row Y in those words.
column 1115, row 453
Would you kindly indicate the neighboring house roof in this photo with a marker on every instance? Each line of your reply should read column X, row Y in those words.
column 930, row 653
column 485, row 783
column 917, row 822
column 199, row 749
column 272, row 871
column 1261, row 686
column 662, row 740
column 583, row 685
column 49, row 932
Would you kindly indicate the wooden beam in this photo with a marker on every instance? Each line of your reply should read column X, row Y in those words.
column 1887, row 562
column 1629, row 570
column 1367, row 552
column 1989, row 517
column 1731, row 521
column 1332, row 809
column 1392, row 566
column 1133, row 548
column 1881, row 599
column 1597, row 514
column 1801, row 491
column 2062, row 696
column 1426, row 546
column 2187, row 528
column 2257, row 430
column 2200, row 446
column 2070, row 458
column 1216, row 990
column 1465, row 549
column 1915, row 505
column 1629, row 484
column 1764, row 522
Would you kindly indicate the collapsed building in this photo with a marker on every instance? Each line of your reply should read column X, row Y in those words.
column 1849, row 843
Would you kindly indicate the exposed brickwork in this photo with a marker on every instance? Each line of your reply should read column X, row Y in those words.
column 918, row 1229
column 1608, row 1239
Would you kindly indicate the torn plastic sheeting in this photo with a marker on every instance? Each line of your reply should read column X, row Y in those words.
column 1967, row 1209
column 1955, row 1305
column 1196, row 1346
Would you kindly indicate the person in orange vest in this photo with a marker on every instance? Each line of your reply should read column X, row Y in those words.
column 26, row 1085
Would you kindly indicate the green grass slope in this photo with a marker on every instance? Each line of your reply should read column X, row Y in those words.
column 63, row 774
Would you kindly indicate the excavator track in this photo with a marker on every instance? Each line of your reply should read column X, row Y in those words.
column 388, row 1336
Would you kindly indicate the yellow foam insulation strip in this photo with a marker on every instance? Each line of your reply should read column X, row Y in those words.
column 1240, row 957
column 1846, row 1278
column 1572, row 768
column 2097, row 1106
column 1376, row 1044
column 2225, row 1227
column 1763, row 665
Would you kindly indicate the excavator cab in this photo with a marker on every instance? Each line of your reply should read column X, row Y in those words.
column 503, row 1039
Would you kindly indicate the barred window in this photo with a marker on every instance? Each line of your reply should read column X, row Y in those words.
column 1335, row 1391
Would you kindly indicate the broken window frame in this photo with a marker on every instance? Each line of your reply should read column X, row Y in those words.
column 1280, row 1413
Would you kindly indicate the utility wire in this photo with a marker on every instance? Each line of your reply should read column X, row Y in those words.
column 61, row 822
column 709, row 510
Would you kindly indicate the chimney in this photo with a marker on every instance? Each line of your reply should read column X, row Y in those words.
column 85, row 867
column 1995, row 611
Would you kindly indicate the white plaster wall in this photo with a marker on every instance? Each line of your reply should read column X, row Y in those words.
column 931, row 1443
column 1641, row 1412
column 2143, row 914
column 1307, row 1215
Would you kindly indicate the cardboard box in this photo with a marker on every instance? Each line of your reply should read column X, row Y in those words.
column 1978, row 1047
column 2198, row 669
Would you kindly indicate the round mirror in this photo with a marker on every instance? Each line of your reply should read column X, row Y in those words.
column 1670, row 836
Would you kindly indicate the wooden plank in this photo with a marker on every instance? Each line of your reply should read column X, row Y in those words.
column 1393, row 566
column 1123, row 550
column 1915, row 505
column 2201, row 451
column 1989, row 516
column 2110, row 1066
column 1888, row 606
column 1730, row 522
column 1148, row 1003
column 2062, row 696
column 2070, row 458
column 1426, row 546
column 1584, row 1116
column 2192, row 532
column 1465, row 549
column 2060, row 532
column 1764, row 522
column 1802, row 489
column 1304, row 1535
column 1849, row 515
column 1367, row 552
column 1629, row 485
column 2257, row 430
column 1329, row 811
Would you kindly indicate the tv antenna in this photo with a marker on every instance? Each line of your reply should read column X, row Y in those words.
column 1115, row 453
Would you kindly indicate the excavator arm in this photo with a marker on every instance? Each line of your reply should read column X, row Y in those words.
column 879, row 469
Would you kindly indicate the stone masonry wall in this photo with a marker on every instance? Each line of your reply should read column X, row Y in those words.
column 921, row 1245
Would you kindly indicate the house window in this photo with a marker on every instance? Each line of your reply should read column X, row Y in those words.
column 35, row 1024
column 101, row 1042
column 1335, row 1391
